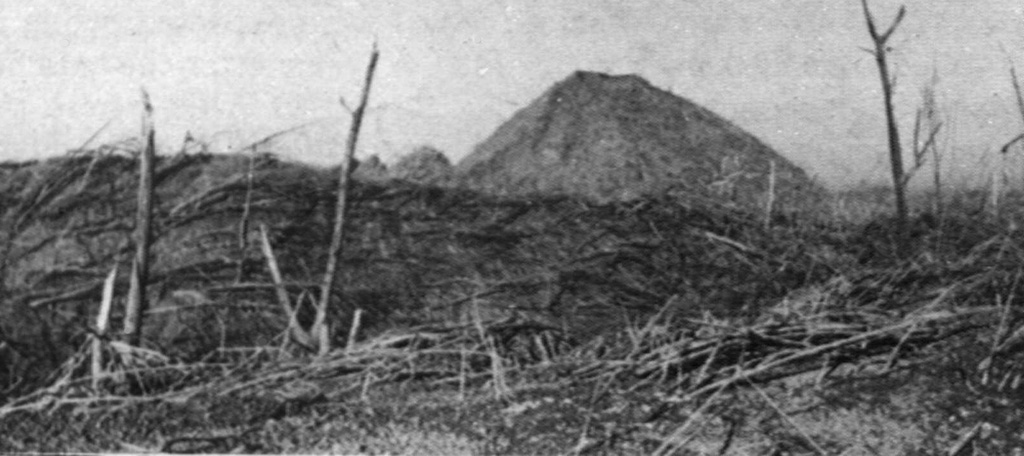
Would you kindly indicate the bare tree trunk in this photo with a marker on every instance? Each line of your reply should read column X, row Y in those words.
column 938, row 206
column 102, row 322
column 996, row 191
column 243, row 223
column 895, row 149
column 929, row 113
column 294, row 330
column 1017, row 90
column 136, row 307
column 1020, row 104
column 770, row 201
column 337, row 236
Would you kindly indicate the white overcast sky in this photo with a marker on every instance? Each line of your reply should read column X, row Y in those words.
column 790, row 71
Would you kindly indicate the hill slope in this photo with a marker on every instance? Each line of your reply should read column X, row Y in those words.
column 618, row 137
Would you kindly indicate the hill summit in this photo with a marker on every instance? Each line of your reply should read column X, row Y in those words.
column 618, row 137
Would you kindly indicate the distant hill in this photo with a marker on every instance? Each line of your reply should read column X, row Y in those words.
column 619, row 137
column 424, row 165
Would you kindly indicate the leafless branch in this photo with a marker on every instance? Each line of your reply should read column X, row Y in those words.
column 344, row 177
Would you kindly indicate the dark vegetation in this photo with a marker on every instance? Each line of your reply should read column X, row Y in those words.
column 515, row 324
column 421, row 251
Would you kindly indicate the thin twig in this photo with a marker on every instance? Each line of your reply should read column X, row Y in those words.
column 963, row 446
column 675, row 441
column 789, row 420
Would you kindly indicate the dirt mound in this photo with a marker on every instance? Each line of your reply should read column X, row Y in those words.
column 425, row 165
column 618, row 137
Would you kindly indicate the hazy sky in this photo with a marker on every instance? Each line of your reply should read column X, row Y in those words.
column 790, row 71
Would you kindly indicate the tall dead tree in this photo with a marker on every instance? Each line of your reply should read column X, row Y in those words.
column 1017, row 90
column 881, row 51
column 320, row 328
column 928, row 117
column 136, row 307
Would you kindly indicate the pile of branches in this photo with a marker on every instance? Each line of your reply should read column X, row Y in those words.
column 65, row 222
column 425, row 254
column 874, row 322
column 580, row 270
column 453, row 354
column 699, row 357
column 685, row 360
